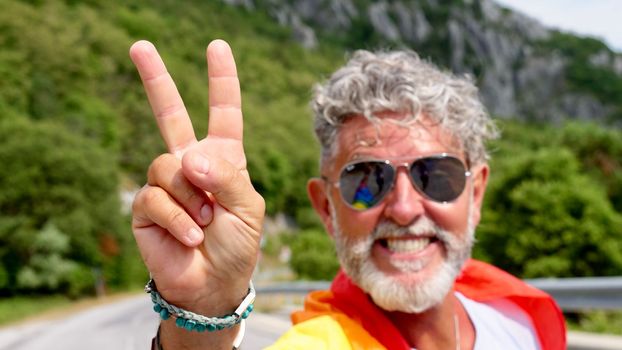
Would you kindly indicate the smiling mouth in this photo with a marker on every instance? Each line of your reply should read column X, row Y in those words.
column 406, row 245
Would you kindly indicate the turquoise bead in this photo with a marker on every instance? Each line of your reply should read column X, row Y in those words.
column 180, row 322
column 211, row 327
column 164, row 315
column 157, row 308
column 247, row 311
column 220, row 327
column 200, row 327
column 189, row 325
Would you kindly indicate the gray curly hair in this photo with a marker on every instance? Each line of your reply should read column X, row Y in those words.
column 402, row 82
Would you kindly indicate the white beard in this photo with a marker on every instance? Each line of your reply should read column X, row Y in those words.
column 394, row 294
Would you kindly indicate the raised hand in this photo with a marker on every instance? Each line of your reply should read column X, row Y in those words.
column 198, row 220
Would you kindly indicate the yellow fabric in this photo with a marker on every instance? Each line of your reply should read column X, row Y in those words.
column 318, row 304
column 319, row 333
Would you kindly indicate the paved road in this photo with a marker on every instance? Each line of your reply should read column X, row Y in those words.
column 130, row 324
column 125, row 325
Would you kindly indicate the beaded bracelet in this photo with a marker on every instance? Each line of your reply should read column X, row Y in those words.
column 199, row 323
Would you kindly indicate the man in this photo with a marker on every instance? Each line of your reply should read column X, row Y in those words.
column 404, row 173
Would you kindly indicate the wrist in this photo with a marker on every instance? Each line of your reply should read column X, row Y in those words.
column 211, row 300
column 221, row 301
column 193, row 330
column 172, row 337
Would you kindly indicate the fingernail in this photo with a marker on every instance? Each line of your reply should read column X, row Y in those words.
column 202, row 164
column 206, row 212
column 194, row 236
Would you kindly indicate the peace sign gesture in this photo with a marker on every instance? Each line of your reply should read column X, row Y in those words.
column 198, row 220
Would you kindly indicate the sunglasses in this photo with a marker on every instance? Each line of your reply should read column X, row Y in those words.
column 364, row 184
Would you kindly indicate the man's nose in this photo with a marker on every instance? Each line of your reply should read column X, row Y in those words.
column 404, row 204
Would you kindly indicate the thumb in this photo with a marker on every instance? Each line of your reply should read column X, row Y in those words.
column 230, row 188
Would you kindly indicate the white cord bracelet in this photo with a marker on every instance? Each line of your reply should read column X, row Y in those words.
column 191, row 321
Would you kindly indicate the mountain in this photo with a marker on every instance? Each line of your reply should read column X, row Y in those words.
column 66, row 62
column 524, row 70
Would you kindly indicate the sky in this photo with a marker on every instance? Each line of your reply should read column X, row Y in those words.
column 596, row 18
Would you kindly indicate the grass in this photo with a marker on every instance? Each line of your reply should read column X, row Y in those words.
column 19, row 308
column 598, row 321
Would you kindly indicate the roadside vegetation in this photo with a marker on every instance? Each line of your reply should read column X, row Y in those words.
column 20, row 307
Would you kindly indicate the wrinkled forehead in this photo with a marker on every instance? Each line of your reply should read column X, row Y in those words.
column 394, row 135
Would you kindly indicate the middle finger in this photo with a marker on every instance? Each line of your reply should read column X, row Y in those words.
column 225, row 101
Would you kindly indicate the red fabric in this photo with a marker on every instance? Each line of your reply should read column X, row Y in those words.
column 478, row 281
column 483, row 282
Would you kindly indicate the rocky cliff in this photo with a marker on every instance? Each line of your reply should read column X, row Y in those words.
column 524, row 69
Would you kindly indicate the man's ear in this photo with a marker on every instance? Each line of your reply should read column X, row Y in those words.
column 317, row 190
column 480, row 181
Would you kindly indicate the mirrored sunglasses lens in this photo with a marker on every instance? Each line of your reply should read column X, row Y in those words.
column 364, row 184
column 441, row 179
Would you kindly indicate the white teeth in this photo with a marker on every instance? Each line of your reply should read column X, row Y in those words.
column 407, row 245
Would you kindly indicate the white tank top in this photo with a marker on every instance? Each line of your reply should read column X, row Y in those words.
column 500, row 324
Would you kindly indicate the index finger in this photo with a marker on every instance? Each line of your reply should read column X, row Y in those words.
column 225, row 101
column 166, row 103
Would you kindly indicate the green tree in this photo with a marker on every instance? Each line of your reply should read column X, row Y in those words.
column 545, row 217
column 59, row 198
column 313, row 255
column 600, row 152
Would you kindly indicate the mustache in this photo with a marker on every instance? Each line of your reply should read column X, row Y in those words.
column 424, row 227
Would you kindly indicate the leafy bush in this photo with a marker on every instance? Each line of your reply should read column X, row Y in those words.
column 545, row 216
column 313, row 255
column 597, row 321
column 600, row 152
column 47, row 267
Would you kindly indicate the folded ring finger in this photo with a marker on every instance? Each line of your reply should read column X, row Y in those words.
column 165, row 172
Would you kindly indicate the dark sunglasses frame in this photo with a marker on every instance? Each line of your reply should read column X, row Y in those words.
column 394, row 165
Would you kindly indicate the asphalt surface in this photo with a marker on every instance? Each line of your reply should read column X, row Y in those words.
column 126, row 325
column 130, row 324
